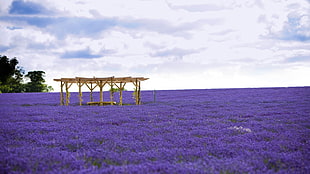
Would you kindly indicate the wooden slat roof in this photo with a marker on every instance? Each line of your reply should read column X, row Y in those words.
column 96, row 79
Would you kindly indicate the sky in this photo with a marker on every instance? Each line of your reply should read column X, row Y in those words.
column 178, row 44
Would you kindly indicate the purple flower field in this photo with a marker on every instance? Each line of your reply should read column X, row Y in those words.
column 264, row 130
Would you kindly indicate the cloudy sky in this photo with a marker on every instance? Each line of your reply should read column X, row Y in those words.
column 178, row 44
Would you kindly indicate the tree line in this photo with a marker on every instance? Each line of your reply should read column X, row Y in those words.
column 14, row 80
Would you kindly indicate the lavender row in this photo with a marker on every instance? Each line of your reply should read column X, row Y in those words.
column 189, row 131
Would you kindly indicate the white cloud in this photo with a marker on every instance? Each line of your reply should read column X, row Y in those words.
column 215, row 44
column 4, row 7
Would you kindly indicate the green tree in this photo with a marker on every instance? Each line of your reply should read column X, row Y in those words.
column 36, row 83
column 11, row 76
column 16, row 81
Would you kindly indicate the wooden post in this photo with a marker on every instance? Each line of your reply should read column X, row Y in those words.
column 91, row 92
column 120, row 95
column 67, row 85
column 136, row 91
column 111, row 91
column 67, row 94
column 101, row 84
column 101, row 92
column 121, row 88
column 91, row 88
column 61, row 93
column 80, row 91
column 139, row 93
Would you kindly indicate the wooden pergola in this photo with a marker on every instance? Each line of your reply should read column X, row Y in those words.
column 94, row 82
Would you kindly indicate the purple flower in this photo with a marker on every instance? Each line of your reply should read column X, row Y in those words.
column 189, row 131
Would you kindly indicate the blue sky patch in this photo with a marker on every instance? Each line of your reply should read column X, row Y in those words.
column 26, row 8
column 81, row 26
column 40, row 22
column 298, row 59
column 14, row 28
column 82, row 54
column 295, row 30
column 4, row 48
column 62, row 26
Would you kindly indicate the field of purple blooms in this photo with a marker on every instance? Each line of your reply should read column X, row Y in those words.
column 263, row 130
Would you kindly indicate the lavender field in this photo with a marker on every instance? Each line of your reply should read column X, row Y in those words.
column 225, row 131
